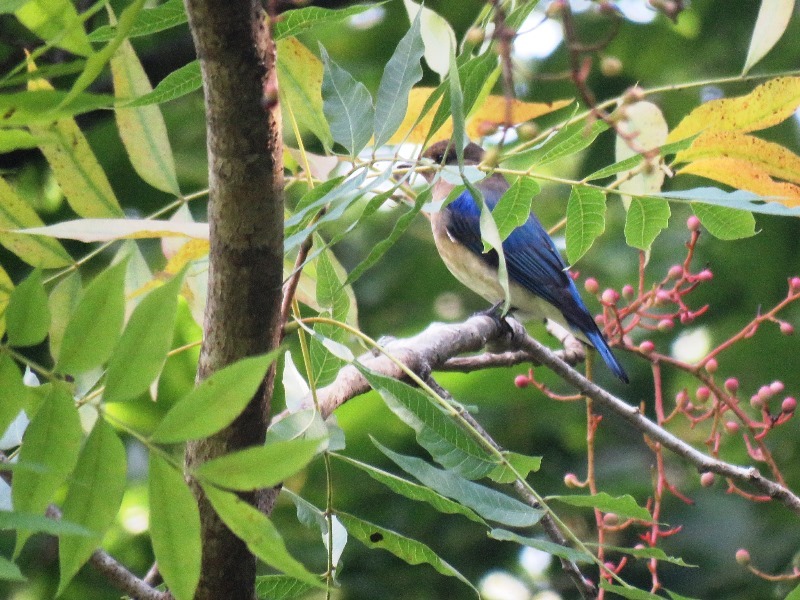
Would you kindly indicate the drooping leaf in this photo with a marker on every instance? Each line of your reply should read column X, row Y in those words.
column 447, row 442
column 300, row 83
column 540, row 544
column 257, row 531
column 334, row 303
column 406, row 549
column 414, row 491
column 52, row 440
column 725, row 223
column 771, row 22
column 93, row 499
column 260, row 466
column 180, row 82
column 142, row 129
column 174, row 528
column 280, row 587
column 216, row 402
column 15, row 392
column 768, row 104
column 623, row 506
column 401, row 73
column 15, row 213
column 148, row 21
column 104, row 230
column 348, row 106
column 95, row 326
column 586, row 220
column 56, row 21
column 437, row 35
column 514, row 207
column 27, row 315
column 141, row 351
column 646, row 218
column 294, row 22
column 490, row 504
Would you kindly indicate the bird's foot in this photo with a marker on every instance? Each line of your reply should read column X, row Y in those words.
column 574, row 351
column 496, row 314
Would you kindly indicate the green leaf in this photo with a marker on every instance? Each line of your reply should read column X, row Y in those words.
column 401, row 73
column 300, row 83
column 740, row 199
column 280, row 587
column 35, row 250
column 141, row 351
column 623, row 506
column 174, row 528
column 489, row 503
column 148, row 21
column 260, row 466
column 414, row 491
column 257, row 531
column 647, row 553
column 180, row 82
column 93, row 498
column 9, row 571
column 97, row 61
column 565, row 142
column 15, row 392
column 52, row 440
column 634, row 161
column 333, row 302
column 294, row 22
column 631, row 593
column 27, row 315
column 645, row 219
column 63, row 301
column 725, row 223
column 544, row 545
column 39, row 523
column 514, row 207
column 458, row 113
column 406, row 549
column 55, row 21
column 142, row 129
column 794, row 594
column 347, row 105
column 586, row 220
column 45, row 106
column 216, row 402
column 16, row 139
column 447, row 441
column 523, row 464
column 94, row 328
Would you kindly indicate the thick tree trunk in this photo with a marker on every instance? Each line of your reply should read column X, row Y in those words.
column 245, row 215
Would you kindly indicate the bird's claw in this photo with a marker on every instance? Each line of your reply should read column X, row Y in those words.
column 574, row 350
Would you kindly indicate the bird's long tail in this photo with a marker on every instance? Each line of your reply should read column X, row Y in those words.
column 599, row 342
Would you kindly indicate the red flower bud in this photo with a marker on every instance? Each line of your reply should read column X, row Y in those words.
column 742, row 557
column 776, row 387
column 647, row 346
column 627, row 291
column 675, row 272
column 794, row 284
column 712, row 365
column 788, row 405
column 522, row 381
column 591, row 285
column 707, row 479
column 571, row 481
column 666, row 325
column 731, row 426
column 610, row 296
column 787, row 328
column 705, row 275
column 702, row 394
column 732, row 384
column 693, row 223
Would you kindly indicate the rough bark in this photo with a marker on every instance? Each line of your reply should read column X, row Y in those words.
column 245, row 214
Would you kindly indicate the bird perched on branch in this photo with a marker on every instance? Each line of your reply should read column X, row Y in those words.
column 539, row 281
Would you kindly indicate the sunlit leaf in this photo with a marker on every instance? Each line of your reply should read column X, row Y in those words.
column 95, row 326
column 140, row 354
column 142, row 129
column 16, row 139
column 260, row 466
column 646, row 218
column 768, row 104
column 401, row 73
column 9, row 571
column 488, row 503
column 148, row 21
column 57, row 21
column 294, row 22
column 62, row 302
column 725, row 223
column 739, row 199
column 27, row 315
column 300, row 84
column 348, row 106
column 437, row 35
column 541, row 544
column 174, row 528
column 586, row 220
column 15, row 213
column 180, row 82
column 406, row 549
column 623, row 506
column 643, row 129
column 52, row 440
column 93, row 499
column 257, row 531
column 104, row 230
column 522, row 464
column 773, row 18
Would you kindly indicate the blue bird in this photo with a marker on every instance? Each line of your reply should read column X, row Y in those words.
column 539, row 280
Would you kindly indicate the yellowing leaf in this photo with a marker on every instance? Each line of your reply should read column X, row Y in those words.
column 491, row 111
column 104, row 230
column 6, row 287
column 744, row 175
column 767, row 105
column 776, row 160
